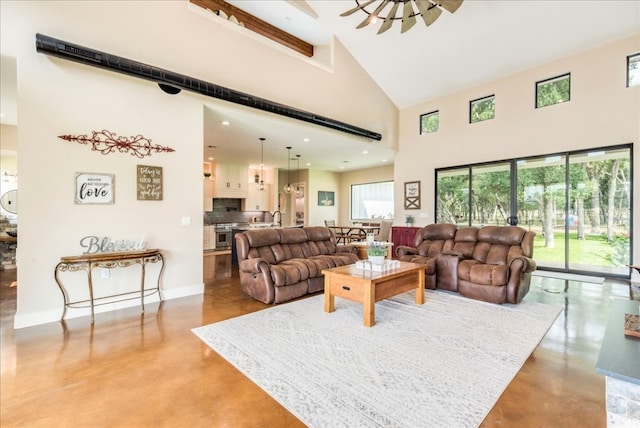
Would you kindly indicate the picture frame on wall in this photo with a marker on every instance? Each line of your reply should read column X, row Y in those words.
column 326, row 199
column 412, row 195
column 94, row 188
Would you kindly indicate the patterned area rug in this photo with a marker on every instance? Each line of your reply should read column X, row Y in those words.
column 444, row 363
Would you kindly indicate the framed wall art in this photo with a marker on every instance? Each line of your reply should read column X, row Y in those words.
column 149, row 183
column 412, row 195
column 94, row 188
column 326, row 199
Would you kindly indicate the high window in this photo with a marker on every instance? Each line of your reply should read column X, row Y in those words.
column 553, row 91
column 482, row 109
column 429, row 122
column 633, row 70
column 372, row 201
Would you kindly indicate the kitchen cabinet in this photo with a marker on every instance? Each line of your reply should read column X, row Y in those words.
column 231, row 180
column 257, row 200
column 401, row 235
column 209, row 237
column 207, row 195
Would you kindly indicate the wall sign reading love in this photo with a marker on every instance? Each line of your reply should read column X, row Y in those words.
column 94, row 188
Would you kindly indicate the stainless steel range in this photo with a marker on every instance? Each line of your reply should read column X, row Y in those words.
column 223, row 234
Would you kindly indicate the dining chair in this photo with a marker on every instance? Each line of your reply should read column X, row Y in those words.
column 385, row 231
column 340, row 236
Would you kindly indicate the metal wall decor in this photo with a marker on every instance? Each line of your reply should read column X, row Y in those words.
column 107, row 142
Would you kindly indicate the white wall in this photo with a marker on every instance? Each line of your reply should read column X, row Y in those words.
column 57, row 97
column 602, row 112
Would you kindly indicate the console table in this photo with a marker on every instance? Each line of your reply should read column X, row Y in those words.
column 88, row 262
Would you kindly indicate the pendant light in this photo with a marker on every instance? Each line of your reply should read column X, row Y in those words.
column 261, row 183
column 288, row 188
column 298, row 192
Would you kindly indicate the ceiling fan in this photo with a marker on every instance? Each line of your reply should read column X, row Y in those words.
column 429, row 10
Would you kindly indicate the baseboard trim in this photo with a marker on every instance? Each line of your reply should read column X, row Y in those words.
column 53, row 315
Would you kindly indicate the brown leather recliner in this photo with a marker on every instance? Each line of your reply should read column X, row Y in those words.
column 499, row 269
column 429, row 241
column 277, row 265
column 492, row 263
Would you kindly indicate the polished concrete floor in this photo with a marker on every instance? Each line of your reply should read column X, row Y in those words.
column 130, row 370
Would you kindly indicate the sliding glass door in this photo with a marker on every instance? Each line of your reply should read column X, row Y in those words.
column 578, row 203
column 541, row 204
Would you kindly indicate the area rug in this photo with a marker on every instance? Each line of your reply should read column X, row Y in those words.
column 444, row 363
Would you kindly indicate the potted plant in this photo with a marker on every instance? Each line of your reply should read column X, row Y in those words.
column 376, row 252
column 408, row 219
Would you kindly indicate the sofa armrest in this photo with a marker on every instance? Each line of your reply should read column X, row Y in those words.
column 452, row 253
column 254, row 265
column 346, row 249
column 528, row 264
column 403, row 250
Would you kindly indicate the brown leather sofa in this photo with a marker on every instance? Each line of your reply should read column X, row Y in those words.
column 490, row 263
column 277, row 265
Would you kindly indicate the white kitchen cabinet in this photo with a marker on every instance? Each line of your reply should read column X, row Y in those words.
column 209, row 237
column 207, row 195
column 257, row 200
column 231, row 180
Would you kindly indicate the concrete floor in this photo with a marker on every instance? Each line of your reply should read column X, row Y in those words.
column 129, row 370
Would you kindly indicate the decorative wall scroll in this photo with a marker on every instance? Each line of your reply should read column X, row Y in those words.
column 149, row 183
column 326, row 199
column 412, row 195
column 107, row 142
column 94, row 188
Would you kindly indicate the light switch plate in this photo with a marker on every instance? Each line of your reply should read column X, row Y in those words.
column 185, row 221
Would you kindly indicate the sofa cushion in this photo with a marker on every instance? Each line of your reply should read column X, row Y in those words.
column 433, row 239
column 319, row 241
column 290, row 272
column 481, row 273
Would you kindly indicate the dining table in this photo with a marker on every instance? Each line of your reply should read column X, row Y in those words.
column 347, row 234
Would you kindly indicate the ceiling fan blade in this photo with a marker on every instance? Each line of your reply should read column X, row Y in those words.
column 389, row 19
column 429, row 11
column 358, row 7
column 408, row 18
column 374, row 14
column 451, row 5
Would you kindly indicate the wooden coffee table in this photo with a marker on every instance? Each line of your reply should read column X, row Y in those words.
column 368, row 287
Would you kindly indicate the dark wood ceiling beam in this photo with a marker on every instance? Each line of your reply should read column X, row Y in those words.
column 257, row 25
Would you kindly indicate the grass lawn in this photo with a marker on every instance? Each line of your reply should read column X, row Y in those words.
column 594, row 250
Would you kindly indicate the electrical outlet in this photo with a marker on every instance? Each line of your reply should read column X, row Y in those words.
column 105, row 273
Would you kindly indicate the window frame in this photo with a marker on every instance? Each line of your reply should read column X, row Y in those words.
column 635, row 56
column 476, row 101
column 351, row 204
column 550, row 80
column 422, row 130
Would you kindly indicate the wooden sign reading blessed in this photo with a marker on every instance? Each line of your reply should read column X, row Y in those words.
column 149, row 183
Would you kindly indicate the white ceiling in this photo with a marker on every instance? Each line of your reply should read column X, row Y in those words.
column 482, row 41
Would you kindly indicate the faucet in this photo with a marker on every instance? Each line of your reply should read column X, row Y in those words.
column 279, row 222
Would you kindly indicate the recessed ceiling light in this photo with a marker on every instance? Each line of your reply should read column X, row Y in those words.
column 308, row 163
column 365, row 152
column 384, row 160
column 225, row 122
column 1, row 114
column 341, row 167
column 306, row 140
